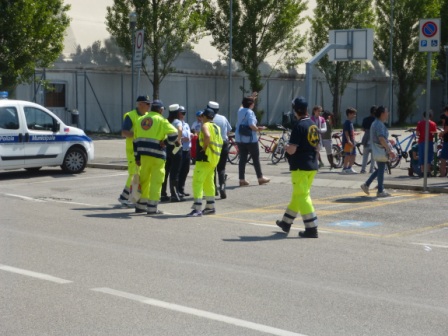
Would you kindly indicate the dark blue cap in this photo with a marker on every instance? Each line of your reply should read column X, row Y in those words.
column 300, row 103
column 157, row 103
column 144, row 99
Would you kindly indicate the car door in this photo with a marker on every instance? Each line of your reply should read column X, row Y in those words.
column 12, row 149
column 42, row 147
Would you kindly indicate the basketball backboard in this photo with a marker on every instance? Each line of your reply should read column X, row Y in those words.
column 361, row 41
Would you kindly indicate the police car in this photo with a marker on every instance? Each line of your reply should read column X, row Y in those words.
column 32, row 136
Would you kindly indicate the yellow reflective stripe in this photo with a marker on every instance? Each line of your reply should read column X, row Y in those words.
column 216, row 144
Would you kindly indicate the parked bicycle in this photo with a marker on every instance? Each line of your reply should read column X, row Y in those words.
column 397, row 146
column 271, row 144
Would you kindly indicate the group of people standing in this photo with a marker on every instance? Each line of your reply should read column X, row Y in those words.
column 159, row 151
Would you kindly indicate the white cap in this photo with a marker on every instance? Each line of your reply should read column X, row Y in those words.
column 213, row 105
column 173, row 108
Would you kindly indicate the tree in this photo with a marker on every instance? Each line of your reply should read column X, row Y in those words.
column 110, row 54
column 333, row 15
column 260, row 28
column 31, row 36
column 170, row 26
column 408, row 64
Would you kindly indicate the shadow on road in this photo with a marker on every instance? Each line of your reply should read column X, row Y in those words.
column 275, row 236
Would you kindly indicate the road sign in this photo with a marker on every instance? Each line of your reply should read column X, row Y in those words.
column 429, row 35
column 138, row 48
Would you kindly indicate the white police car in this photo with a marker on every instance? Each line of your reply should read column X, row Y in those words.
column 32, row 136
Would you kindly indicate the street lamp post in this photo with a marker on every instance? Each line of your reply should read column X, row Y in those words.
column 132, row 24
column 446, row 74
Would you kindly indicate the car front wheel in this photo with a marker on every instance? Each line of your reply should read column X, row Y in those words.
column 75, row 161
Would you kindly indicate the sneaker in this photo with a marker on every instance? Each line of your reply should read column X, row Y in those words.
column 195, row 213
column 137, row 210
column 384, row 193
column 321, row 164
column 309, row 233
column 283, row 225
column 208, row 211
column 365, row 188
column 157, row 212
column 352, row 171
column 363, row 172
column 345, row 171
column 263, row 180
column 165, row 198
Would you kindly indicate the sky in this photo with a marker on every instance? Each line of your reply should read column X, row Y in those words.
column 88, row 25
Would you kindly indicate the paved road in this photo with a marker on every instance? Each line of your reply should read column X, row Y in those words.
column 74, row 263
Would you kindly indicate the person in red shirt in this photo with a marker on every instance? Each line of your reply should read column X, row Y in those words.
column 420, row 130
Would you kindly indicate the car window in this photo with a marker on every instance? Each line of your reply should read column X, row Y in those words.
column 9, row 118
column 38, row 120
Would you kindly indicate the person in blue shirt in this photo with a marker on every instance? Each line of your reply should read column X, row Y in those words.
column 248, row 144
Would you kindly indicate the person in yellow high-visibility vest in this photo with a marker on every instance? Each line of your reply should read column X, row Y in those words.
column 150, row 132
column 208, row 153
column 127, row 131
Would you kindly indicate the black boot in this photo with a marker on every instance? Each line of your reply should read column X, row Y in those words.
column 175, row 197
column 309, row 233
column 222, row 184
column 330, row 159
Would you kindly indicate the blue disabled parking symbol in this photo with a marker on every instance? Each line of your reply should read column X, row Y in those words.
column 354, row 224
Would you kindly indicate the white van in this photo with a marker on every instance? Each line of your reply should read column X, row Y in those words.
column 32, row 136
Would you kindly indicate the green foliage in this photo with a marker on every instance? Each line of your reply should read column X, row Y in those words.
column 31, row 36
column 333, row 15
column 409, row 65
column 170, row 26
column 110, row 54
column 260, row 28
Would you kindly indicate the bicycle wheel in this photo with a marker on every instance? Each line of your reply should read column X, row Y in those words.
column 395, row 162
column 279, row 152
column 359, row 157
column 234, row 155
column 338, row 158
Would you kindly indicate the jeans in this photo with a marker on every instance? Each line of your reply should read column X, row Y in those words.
column 245, row 149
column 379, row 173
column 365, row 157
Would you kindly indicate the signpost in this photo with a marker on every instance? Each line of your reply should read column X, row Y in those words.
column 429, row 41
column 138, row 53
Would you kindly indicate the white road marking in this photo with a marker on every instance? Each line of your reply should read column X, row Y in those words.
column 432, row 245
column 196, row 312
column 34, row 274
column 26, row 198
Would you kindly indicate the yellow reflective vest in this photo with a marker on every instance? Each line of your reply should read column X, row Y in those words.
column 150, row 130
column 213, row 151
column 133, row 115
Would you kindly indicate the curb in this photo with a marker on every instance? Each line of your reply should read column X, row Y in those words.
column 107, row 166
column 430, row 189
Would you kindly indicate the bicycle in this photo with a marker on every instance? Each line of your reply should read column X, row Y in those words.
column 273, row 145
column 397, row 147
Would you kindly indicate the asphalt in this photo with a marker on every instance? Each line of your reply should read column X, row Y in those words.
column 110, row 154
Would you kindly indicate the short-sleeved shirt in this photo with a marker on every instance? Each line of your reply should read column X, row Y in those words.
column 224, row 124
column 348, row 127
column 378, row 130
column 444, row 117
column 305, row 136
column 196, row 126
column 246, row 117
column 421, row 130
column 186, row 134
column 366, row 124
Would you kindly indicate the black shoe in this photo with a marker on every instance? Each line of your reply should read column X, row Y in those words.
column 222, row 193
column 137, row 210
column 283, row 225
column 208, row 211
column 309, row 233
column 179, row 198
column 157, row 212
column 164, row 198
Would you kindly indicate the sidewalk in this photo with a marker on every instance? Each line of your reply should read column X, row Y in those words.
column 110, row 154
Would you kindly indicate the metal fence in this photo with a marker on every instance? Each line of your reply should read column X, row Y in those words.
column 103, row 97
